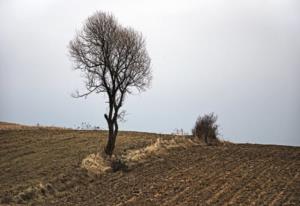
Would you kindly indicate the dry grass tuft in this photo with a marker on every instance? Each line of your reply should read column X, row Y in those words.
column 160, row 146
column 96, row 164
column 223, row 142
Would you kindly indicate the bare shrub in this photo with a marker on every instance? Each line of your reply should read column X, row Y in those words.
column 206, row 128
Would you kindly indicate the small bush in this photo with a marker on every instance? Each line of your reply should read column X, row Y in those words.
column 206, row 128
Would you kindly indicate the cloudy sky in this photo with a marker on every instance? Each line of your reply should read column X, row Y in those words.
column 238, row 59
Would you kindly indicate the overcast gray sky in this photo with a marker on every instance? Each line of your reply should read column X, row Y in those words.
column 239, row 59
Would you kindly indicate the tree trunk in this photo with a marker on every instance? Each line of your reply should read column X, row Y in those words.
column 112, row 135
column 110, row 144
column 112, row 122
column 206, row 137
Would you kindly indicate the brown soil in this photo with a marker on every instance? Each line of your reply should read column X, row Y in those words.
column 42, row 167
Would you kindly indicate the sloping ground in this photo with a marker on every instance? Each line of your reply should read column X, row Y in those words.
column 11, row 126
column 42, row 167
column 14, row 126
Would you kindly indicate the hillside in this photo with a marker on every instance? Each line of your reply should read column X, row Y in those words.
column 41, row 166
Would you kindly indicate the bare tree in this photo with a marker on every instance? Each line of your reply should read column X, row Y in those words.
column 114, row 61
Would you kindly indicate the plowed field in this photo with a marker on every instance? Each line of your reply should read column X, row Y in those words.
column 42, row 167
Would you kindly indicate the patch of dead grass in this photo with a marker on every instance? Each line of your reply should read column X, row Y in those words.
column 160, row 146
column 97, row 164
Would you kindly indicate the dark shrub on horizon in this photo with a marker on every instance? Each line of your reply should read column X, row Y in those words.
column 206, row 128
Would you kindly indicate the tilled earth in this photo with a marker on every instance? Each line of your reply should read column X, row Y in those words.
column 232, row 174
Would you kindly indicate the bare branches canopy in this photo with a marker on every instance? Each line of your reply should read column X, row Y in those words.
column 113, row 60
